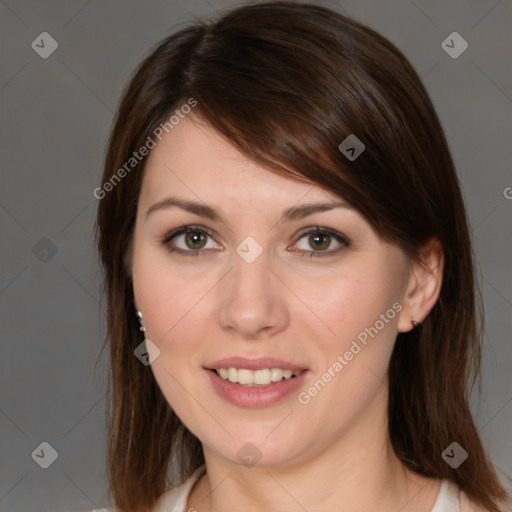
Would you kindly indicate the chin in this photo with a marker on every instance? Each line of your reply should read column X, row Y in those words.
column 251, row 449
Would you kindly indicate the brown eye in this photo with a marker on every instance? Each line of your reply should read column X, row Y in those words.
column 319, row 241
column 190, row 240
column 195, row 240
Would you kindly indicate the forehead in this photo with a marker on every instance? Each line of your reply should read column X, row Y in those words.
column 194, row 159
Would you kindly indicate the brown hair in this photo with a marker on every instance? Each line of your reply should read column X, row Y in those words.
column 285, row 83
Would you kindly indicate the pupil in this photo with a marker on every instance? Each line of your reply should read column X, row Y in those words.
column 317, row 240
column 195, row 237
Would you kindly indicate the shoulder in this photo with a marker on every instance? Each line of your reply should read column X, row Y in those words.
column 466, row 505
column 453, row 499
column 174, row 499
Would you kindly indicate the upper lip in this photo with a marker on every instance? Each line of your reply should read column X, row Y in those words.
column 254, row 364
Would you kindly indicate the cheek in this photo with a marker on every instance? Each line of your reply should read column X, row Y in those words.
column 168, row 298
column 352, row 363
column 347, row 302
column 354, row 317
column 175, row 317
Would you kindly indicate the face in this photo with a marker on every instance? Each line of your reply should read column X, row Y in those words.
column 315, row 292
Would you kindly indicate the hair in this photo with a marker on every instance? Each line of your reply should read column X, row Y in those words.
column 285, row 84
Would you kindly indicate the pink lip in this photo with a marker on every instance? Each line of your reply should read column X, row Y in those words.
column 255, row 396
column 254, row 364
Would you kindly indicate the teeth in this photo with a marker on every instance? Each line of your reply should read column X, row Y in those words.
column 262, row 377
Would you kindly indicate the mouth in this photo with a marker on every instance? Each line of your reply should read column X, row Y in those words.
column 255, row 382
column 255, row 378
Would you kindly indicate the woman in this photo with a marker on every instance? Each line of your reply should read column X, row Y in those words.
column 281, row 221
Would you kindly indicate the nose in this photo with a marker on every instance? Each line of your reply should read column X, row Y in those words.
column 253, row 300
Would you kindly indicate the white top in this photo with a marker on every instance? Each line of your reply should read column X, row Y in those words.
column 175, row 500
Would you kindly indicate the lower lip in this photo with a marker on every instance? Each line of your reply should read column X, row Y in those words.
column 255, row 396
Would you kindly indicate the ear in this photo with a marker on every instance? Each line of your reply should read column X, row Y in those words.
column 423, row 285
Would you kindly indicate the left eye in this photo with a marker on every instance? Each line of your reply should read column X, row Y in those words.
column 320, row 240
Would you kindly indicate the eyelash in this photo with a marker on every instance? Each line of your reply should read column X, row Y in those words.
column 341, row 239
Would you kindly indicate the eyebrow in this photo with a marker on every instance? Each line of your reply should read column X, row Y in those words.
column 203, row 210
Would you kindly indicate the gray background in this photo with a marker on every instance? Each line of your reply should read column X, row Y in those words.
column 55, row 118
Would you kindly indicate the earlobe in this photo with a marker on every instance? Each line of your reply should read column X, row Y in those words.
column 141, row 321
column 423, row 286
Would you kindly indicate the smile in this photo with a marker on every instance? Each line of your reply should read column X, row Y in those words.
column 253, row 395
column 261, row 377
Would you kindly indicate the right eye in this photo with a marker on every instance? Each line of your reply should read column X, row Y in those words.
column 192, row 238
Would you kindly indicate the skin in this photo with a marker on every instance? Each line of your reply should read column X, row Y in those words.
column 334, row 453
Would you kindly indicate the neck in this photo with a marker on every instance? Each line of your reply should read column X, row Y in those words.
column 360, row 471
